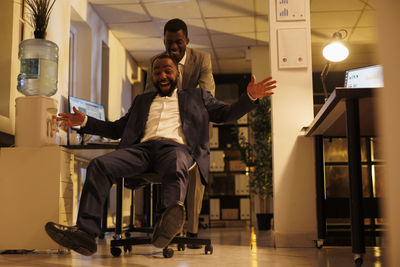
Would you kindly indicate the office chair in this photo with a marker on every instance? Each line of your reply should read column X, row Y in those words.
column 135, row 183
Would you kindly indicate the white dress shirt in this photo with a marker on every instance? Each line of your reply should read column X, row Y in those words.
column 164, row 120
column 181, row 65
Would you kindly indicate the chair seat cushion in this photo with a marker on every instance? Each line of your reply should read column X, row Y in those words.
column 138, row 181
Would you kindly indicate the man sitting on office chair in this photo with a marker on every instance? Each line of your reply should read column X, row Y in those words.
column 195, row 70
column 164, row 132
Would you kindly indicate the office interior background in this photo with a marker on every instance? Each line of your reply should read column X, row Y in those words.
column 104, row 52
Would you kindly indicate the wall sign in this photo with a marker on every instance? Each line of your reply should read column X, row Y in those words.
column 289, row 10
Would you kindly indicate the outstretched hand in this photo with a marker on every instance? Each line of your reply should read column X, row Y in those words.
column 261, row 89
column 69, row 120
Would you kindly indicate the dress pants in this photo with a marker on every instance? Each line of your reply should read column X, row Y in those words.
column 195, row 197
column 194, row 200
column 168, row 158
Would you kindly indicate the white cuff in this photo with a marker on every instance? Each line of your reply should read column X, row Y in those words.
column 251, row 98
column 84, row 121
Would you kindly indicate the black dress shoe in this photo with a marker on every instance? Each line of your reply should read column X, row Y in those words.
column 72, row 237
column 192, row 246
column 169, row 225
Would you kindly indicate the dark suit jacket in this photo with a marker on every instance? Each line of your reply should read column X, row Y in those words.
column 196, row 71
column 196, row 107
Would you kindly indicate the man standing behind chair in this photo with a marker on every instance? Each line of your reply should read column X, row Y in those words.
column 195, row 70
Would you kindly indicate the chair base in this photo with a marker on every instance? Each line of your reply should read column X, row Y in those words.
column 127, row 244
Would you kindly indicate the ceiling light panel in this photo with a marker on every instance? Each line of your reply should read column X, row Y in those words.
column 230, row 25
column 134, row 30
column 195, row 26
column 261, row 8
column 334, row 20
column 368, row 19
column 165, row 1
column 121, row 13
column 364, row 35
column 337, row 5
column 144, row 44
column 170, row 9
column 113, row 2
column 233, row 40
column 226, row 8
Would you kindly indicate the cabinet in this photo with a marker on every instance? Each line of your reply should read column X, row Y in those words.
column 37, row 185
column 226, row 198
column 228, row 190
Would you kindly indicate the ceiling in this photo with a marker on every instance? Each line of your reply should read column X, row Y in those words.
column 226, row 28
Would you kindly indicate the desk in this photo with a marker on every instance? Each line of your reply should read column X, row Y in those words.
column 88, row 152
column 348, row 112
column 37, row 185
column 91, row 151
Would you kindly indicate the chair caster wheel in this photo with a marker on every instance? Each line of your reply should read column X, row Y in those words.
column 115, row 251
column 127, row 249
column 168, row 252
column 358, row 260
column 181, row 247
column 319, row 243
column 208, row 249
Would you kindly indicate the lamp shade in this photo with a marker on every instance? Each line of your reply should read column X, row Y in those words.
column 335, row 51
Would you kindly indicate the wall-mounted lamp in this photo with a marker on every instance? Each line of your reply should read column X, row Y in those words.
column 334, row 51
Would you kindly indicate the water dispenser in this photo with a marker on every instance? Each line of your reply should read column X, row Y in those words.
column 39, row 67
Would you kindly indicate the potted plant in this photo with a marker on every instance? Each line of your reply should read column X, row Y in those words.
column 39, row 57
column 256, row 153
column 40, row 14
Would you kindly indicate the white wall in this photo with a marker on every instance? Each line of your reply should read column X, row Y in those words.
column 82, row 48
column 6, row 19
column 122, row 66
column 293, row 155
column 9, row 59
column 389, row 111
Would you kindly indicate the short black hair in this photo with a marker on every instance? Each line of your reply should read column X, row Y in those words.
column 164, row 55
column 175, row 25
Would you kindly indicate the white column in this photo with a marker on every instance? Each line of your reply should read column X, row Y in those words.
column 261, row 69
column 388, row 118
column 293, row 154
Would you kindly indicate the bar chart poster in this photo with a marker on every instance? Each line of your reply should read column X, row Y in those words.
column 290, row 10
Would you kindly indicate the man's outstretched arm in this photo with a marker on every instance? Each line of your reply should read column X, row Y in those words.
column 260, row 89
column 69, row 120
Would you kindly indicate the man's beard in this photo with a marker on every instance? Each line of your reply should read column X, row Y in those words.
column 171, row 88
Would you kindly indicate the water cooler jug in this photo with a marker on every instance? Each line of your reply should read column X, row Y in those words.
column 35, row 123
column 39, row 67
